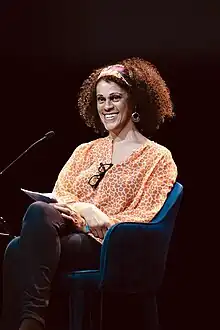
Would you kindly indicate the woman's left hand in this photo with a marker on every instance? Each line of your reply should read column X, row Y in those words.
column 97, row 221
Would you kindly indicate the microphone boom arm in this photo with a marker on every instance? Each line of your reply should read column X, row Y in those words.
column 3, row 223
column 23, row 153
column 46, row 136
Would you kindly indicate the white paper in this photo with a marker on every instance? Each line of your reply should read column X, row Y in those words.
column 43, row 197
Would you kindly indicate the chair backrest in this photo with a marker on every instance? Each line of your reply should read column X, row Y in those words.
column 173, row 198
column 134, row 255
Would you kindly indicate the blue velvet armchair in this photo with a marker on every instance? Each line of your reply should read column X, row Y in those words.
column 133, row 260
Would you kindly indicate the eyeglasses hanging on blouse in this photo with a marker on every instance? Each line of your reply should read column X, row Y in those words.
column 95, row 179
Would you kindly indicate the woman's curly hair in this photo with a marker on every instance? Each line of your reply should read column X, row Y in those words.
column 149, row 95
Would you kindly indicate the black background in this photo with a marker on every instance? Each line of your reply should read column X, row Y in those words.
column 49, row 47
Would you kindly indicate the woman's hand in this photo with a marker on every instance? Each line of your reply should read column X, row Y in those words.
column 83, row 214
column 69, row 214
column 97, row 221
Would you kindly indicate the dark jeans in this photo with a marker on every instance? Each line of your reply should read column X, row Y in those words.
column 48, row 244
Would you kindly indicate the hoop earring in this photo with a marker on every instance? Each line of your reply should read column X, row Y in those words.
column 135, row 117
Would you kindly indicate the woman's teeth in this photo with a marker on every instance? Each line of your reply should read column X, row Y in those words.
column 111, row 116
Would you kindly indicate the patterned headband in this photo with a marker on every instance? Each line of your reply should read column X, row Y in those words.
column 117, row 71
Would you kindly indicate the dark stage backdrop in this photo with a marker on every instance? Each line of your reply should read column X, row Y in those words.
column 49, row 47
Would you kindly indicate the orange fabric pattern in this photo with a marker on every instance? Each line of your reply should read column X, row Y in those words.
column 133, row 190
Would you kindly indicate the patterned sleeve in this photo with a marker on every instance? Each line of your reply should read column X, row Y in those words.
column 152, row 194
column 63, row 186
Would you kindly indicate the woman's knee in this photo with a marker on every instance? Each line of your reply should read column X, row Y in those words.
column 41, row 214
column 12, row 248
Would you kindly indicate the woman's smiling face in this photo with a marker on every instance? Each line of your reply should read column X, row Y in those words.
column 113, row 106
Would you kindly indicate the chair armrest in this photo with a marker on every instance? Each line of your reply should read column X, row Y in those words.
column 133, row 257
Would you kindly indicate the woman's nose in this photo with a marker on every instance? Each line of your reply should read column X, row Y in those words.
column 108, row 105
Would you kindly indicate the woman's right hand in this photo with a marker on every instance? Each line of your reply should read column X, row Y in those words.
column 70, row 214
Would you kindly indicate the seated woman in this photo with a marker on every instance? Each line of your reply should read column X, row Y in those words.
column 124, row 176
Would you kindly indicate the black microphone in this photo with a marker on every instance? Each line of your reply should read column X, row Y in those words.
column 47, row 136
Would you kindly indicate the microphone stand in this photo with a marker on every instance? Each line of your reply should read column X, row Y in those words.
column 3, row 223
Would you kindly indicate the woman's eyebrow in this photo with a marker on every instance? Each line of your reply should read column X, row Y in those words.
column 113, row 93
column 118, row 93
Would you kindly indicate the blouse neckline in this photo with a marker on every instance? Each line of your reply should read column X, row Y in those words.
column 137, row 150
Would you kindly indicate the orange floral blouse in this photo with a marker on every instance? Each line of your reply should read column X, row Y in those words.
column 133, row 190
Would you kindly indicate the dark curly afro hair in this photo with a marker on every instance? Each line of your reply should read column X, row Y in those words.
column 149, row 95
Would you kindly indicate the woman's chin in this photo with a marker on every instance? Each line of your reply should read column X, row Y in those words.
column 111, row 127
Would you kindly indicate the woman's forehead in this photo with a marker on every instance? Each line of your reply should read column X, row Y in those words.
column 104, row 87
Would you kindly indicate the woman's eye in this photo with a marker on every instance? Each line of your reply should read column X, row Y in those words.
column 116, row 97
column 100, row 99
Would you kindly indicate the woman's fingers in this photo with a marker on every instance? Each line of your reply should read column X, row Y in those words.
column 68, row 217
column 63, row 209
column 97, row 227
column 98, row 231
column 67, row 213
